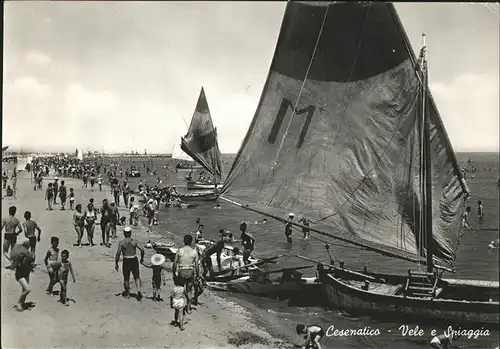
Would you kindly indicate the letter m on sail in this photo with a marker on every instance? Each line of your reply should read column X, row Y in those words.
column 286, row 105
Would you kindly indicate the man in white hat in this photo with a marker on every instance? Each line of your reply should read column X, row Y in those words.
column 128, row 246
column 288, row 227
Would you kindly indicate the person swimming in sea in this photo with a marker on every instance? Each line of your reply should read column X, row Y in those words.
column 480, row 209
column 289, row 227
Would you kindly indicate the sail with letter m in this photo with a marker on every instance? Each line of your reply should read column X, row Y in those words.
column 335, row 135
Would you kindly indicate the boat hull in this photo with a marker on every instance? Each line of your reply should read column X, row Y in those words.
column 353, row 299
column 200, row 196
column 192, row 185
column 307, row 286
column 188, row 167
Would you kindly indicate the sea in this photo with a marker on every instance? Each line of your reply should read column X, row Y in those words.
column 475, row 260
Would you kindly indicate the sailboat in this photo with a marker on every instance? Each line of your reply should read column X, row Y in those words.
column 200, row 143
column 186, row 163
column 347, row 132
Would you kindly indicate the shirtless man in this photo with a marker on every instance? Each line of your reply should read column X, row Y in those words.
column 12, row 230
column 217, row 249
column 186, row 267
column 128, row 246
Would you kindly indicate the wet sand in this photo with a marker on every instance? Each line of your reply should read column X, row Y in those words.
column 99, row 317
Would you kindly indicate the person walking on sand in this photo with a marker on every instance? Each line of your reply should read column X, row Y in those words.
column 128, row 247
column 115, row 218
column 49, row 193
column 105, row 223
column 55, row 188
column 71, row 199
column 99, row 182
column 78, row 224
column 62, row 195
column 90, row 216
column 29, row 231
column 14, row 182
column 186, row 267
column 178, row 303
column 12, row 228
column 22, row 262
column 51, row 261
column 158, row 268
column 64, row 270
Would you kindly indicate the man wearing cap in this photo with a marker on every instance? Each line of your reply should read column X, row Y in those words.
column 288, row 228
column 186, row 266
column 128, row 246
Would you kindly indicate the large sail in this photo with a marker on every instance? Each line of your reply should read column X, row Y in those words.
column 335, row 135
column 201, row 140
column 179, row 154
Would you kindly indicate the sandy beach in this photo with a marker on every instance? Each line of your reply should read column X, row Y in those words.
column 99, row 317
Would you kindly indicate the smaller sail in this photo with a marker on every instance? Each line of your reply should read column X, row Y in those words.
column 201, row 140
column 79, row 154
column 179, row 154
column 21, row 163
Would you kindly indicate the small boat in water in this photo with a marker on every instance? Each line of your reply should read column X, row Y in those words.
column 188, row 166
column 193, row 185
column 207, row 195
column 285, row 288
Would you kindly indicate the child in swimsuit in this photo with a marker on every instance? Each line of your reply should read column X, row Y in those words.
column 158, row 276
column 71, row 199
column 52, row 263
column 64, row 270
column 178, row 302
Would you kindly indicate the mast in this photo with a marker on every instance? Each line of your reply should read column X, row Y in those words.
column 427, row 174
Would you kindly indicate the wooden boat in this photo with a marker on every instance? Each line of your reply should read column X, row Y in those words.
column 193, row 185
column 188, row 166
column 353, row 139
column 272, row 289
column 208, row 195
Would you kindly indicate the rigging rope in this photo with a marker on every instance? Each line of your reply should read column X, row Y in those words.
column 298, row 98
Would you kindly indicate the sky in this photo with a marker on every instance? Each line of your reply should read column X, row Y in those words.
column 76, row 74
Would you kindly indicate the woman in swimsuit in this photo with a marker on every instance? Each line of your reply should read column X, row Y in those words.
column 52, row 262
column 79, row 224
column 90, row 217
